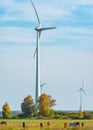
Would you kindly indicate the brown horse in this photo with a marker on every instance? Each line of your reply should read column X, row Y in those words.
column 3, row 123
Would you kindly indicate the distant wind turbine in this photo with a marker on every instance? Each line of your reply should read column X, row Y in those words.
column 38, row 29
column 81, row 90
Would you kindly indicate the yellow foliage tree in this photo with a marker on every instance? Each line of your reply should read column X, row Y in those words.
column 44, row 105
column 80, row 114
column 6, row 111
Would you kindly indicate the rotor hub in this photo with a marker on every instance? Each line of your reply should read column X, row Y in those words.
column 38, row 28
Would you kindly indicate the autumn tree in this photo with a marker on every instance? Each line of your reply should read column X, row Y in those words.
column 52, row 101
column 44, row 105
column 28, row 107
column 6, row 111
column 81, row 114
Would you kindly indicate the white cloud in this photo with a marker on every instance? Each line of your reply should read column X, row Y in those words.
column 16, row 11
column 51, row 11
column 17, row 35
column 25, row 11
column 85, row 2
column 28, row 36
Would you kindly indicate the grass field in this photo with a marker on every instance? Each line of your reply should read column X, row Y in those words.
column 17, row 124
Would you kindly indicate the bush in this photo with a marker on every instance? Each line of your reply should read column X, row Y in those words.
column 88, row 115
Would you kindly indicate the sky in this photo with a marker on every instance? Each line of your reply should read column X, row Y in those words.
column 66, row 53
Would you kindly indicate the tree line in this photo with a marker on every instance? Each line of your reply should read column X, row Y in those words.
column 29, row 109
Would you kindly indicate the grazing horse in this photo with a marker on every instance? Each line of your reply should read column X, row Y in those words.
column 48, row 123
column 24, row 125
column 3, row 123
column 77, row 124
column 82, row 124
column 41, row 125
column 65, row 124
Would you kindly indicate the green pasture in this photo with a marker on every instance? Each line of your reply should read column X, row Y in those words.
column 17, row 124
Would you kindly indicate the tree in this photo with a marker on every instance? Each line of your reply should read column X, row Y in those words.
column 28, row 107
column 6, row 111
column 52, row 101
column 81, row 114
column 44, row 105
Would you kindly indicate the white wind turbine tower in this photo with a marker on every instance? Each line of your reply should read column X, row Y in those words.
column 38, row 29
column 81, row 90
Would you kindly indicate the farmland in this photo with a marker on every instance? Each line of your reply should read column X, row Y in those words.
column 31, row 124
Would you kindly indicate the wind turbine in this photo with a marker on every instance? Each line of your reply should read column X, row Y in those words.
column 81, row 90
column 38, row 29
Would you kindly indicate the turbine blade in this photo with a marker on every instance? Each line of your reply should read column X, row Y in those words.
column 82, row 83
column 36, row 12
column 47, row 28
column 39, row 34
column 43, row 84
column 84, row 92
column 82, row 89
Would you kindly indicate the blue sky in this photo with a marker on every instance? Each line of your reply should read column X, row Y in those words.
column 66, row 53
